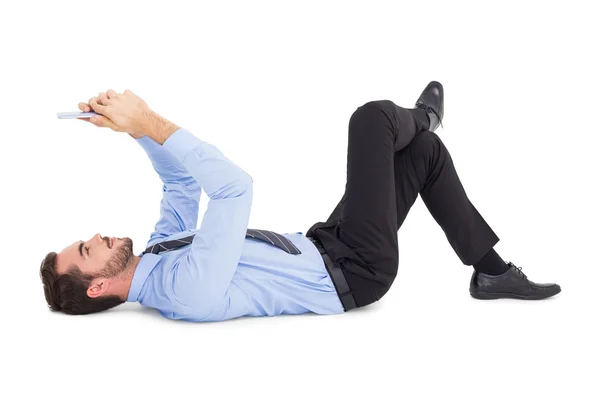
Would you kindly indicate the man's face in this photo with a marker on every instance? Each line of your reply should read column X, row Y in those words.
column 100, row 256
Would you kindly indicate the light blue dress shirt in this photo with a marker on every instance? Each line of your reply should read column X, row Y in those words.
column 221, row 274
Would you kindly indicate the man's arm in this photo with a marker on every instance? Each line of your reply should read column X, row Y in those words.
column 201, row 279
column 181, row 192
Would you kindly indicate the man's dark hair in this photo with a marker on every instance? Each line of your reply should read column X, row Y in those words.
column 68, row 292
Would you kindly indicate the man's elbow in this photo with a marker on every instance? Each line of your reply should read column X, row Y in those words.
column 247, row 180
column 243, row 186
column 240, row 186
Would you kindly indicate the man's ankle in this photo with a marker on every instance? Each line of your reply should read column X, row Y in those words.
column 491, row 264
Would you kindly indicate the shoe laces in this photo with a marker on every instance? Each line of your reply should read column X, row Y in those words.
column 427, row 108
column 519, row 269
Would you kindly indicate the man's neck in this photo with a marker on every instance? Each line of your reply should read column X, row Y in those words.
column 122, row 283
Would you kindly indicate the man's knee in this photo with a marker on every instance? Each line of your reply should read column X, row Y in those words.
column 376, row 107
column 427, row 143
column 370, row 115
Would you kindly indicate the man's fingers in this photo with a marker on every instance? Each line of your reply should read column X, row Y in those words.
column 97, row 106
column 103, row 99
column 103, row 122
column 95, row 100
column 111, row 94
column 84, row 107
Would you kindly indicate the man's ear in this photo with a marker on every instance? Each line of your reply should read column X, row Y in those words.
column 98, row 287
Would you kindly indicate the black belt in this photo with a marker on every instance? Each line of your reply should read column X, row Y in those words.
column 337, row 277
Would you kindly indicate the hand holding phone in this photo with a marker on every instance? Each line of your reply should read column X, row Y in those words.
column 124, row 112
column 85, row 113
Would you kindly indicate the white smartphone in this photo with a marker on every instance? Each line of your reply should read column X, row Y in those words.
column 77, row 114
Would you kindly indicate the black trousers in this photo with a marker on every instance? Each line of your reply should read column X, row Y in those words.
column 392, row 158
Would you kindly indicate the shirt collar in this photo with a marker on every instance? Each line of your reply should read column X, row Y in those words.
column 143, row 269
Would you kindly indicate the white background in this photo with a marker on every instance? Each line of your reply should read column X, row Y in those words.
column 272, row 85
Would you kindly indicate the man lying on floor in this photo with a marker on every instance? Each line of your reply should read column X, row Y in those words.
column 224, row 270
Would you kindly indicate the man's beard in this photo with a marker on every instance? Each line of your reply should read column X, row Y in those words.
column 119, row 261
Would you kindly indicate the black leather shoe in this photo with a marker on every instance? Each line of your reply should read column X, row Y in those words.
column 513, row 284
column 432, row 101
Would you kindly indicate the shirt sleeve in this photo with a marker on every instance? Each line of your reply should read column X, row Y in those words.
column 201, row 279
column 181, row 192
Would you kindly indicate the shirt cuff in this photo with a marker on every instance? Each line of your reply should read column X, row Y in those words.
column 180, row 143
column 147, row 143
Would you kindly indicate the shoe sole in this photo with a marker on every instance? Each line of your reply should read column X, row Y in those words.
column 495, row 296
